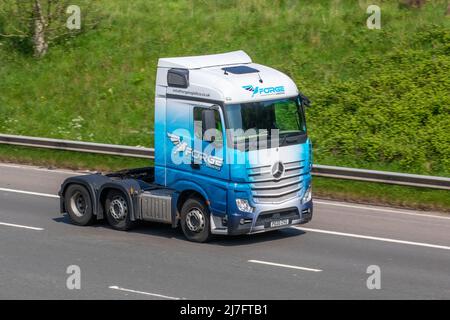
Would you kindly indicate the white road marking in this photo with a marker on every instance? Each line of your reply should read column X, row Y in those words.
column 352, row 235
column 300, row 228
column 30, row 193
column 331, row 203
column 338, row 204
column 284, row 265
column 144, row 293
column 20, row 226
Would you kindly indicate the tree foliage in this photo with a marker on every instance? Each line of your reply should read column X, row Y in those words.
column 412, row 3
column 36, row 24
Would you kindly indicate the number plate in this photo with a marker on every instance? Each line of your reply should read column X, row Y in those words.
column 279, row 223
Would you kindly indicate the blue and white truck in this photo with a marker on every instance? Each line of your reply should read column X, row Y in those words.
column 232, row 155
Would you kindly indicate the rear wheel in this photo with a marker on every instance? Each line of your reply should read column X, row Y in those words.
column 77, row 201
column 195, row 220
column 117, row 210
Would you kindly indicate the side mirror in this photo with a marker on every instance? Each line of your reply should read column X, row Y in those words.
column 304, row 100
column 208, row 123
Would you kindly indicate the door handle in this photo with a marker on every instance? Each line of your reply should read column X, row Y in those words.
column 195, row 166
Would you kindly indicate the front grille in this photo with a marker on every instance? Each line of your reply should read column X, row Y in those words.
column 266, row 189
column 265, row 218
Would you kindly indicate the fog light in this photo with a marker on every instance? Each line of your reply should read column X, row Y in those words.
column 243, row 205
column 307, row 196
column 245, row 221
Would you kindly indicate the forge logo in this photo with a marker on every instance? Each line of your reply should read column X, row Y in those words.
column 180, row 146
column 264, row 91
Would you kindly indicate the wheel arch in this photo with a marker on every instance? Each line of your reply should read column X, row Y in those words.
column 88, row 182
column 185, row 190
column 187, row 194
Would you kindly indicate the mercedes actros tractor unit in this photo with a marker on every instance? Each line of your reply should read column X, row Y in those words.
column 232, row 155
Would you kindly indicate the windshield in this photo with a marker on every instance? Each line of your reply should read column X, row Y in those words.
column 266, row 124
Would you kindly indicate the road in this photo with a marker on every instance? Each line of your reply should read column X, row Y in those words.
column 325, row 259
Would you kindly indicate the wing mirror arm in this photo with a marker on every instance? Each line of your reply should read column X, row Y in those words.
column 304, row 100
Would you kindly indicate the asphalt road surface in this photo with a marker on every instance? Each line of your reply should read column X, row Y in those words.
column 325, row 259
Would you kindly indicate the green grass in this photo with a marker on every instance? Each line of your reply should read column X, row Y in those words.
column 100, row 86
column 380, row 97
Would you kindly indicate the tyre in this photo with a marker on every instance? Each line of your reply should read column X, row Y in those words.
column 195, row 220
column 117, row 209
column 78, row 203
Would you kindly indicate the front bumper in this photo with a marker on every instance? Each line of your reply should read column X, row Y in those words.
column 265, row 213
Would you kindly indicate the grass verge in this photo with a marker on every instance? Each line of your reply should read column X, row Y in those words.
column 68, row 159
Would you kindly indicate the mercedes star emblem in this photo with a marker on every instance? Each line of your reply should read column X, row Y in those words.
column 277, row 170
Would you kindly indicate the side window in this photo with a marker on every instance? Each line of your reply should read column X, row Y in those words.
column 198, row 126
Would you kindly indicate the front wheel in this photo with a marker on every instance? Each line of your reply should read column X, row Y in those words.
column 195, row 220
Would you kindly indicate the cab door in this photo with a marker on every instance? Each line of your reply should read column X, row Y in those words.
column 208, row 161
column 209, row 143
column 178, row 140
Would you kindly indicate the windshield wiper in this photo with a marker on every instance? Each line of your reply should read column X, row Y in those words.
column 289, row 138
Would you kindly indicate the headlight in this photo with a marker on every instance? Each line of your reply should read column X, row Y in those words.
column 243, row 205
column 307, row 196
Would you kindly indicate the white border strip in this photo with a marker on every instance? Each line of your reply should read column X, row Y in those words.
column 20, row 226
column 284, row 265
column 352, row 235
column 30, row 193
column 144, row 293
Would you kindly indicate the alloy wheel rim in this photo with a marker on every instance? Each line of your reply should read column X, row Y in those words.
column 195, row 220
column 118, row 208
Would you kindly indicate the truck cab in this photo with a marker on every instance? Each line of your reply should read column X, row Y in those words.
column 232, row 154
